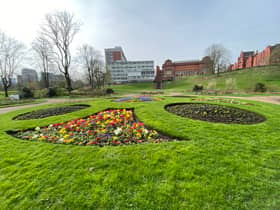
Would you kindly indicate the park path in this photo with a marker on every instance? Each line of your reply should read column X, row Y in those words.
column 267, row 99
column 49, row 101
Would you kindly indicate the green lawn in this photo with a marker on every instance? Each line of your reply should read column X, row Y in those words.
column 220, row 166
column 133, row 88
column 11, row 92
column 2, row 95
column 238, row 82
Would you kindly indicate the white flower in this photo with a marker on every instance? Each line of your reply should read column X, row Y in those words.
column 51, row 125
column 145, row 131
column 118, row 131
column 61, row 140
column 35, row 136
column 37, row 129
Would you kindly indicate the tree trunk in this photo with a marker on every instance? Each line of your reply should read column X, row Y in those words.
column 47, row 85
column 68, row 80
column 6, row 91
column 90, row 78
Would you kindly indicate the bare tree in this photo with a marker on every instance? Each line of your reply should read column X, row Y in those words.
column 219, row 56
column 99, row 75
column 60, row 29
column 11, row 53
column 90, row 60
column 108, row 76
column 43, row 50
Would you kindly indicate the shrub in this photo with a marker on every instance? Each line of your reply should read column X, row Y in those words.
column 52, row 92
column 26, row 93
column 230, row 84
column 61, row 92
column 197, row 88
column 260, row 87
column 97, row 92
column 211, row 85
column 109, row 91
column 43, row 93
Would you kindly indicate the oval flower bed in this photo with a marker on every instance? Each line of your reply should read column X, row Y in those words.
column 43, row 113
column 110, row 127
column 215, row 113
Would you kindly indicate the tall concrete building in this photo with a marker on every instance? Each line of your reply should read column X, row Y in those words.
column 29, row 75
column 114, row 54
column 123, row 70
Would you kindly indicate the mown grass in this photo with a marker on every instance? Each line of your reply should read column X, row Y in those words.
column 133, row 88
column 219, row 167
column 236, row 82
column 2, row 93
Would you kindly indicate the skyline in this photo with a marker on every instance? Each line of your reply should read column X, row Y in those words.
column 157, row 30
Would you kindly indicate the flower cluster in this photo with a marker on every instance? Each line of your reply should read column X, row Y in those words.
column 222, row 100
column 111, row 127
column 137, row 99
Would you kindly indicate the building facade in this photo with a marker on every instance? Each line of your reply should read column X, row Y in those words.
column 123, row 71
column 54, row 79
column 29, row 75
column 179, row 69
column 270, row 55
column 114, row 54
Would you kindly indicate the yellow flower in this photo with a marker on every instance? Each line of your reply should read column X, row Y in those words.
column 69, row 141
column 139, row 135
column 42, row 138
column 66, row 136
column 62, row 131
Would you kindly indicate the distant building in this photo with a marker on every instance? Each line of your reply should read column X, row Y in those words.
column 123, row 70
column 13, row 81
column 28, row 76
column 159, row 78
column 54, row 79
column 114, row 54
column 270, row 55
column 179, row 69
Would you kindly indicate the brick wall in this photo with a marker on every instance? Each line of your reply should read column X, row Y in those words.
column 257, row 59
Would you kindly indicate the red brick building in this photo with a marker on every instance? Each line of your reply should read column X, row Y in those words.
column 178, row 69
column 252, row 59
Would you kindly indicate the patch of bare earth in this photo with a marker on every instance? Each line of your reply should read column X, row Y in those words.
column 267, row 99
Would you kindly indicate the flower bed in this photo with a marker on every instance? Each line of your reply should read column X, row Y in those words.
column 137, row 99
column 50, row 112
column 223, row 100
column 110, row 127
column 215, row 113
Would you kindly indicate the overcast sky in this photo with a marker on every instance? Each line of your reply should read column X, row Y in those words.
column 155, row 29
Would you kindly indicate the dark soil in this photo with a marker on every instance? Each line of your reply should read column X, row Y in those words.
column 50, row 112
column 215, row 113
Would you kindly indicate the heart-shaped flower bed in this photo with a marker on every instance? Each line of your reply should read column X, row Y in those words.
column 109, row 127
